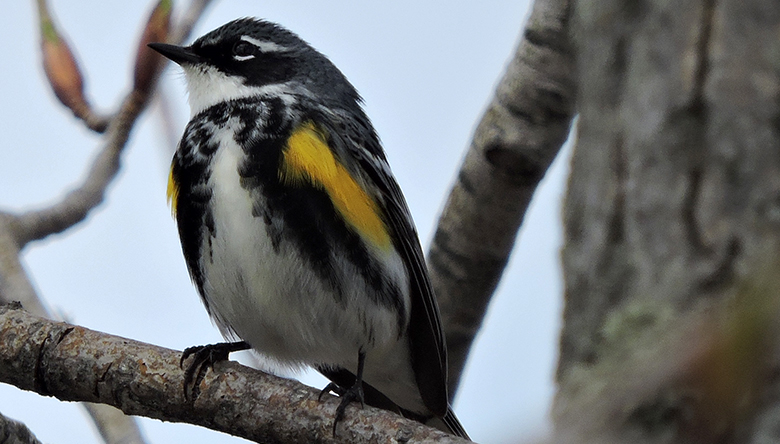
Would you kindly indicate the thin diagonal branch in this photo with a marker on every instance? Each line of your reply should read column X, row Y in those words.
column 76, row 364
column 519, row 136
column 18, row 230
column 15, row 285
column 182, row 31
column 76, row 205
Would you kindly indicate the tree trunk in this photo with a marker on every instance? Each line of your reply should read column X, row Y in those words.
column 673, row 207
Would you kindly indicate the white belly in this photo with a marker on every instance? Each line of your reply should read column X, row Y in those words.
column 270, row 298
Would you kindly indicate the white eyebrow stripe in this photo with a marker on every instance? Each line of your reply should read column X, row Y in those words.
column 265, row 46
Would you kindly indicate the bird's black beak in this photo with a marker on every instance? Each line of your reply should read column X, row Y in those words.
column 179, row 54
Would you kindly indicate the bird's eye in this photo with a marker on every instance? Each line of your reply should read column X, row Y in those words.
column 243, row 50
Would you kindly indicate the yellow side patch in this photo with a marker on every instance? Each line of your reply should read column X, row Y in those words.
column 172, row 192
column 307, row 159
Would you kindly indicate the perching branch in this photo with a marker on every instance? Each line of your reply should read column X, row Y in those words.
column 521, row 132
column 76, row 364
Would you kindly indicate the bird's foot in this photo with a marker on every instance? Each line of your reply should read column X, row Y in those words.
column 204, row 356
column 347, row 396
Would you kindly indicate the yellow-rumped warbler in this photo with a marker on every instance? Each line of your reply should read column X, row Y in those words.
column 294, row 230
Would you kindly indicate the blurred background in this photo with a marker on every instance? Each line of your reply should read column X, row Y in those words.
column 426, row 71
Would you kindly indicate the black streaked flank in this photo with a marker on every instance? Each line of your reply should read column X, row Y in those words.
column 311, row 223
column 193, row 206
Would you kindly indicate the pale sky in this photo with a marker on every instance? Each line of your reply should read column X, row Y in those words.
column 426, row 71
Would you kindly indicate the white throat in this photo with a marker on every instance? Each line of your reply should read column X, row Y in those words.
column 208, row 86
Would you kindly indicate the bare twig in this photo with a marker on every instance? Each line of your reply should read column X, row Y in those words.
column 148, row 63
column 188, row 20
column 18, row 230
column 76, row 364
column 14, row 283
column 75, row 205
column 64, row 73
column 514, row 144
column 162, row 103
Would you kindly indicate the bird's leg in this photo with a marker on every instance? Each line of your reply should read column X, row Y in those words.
column 204, row 356
column 354, row 393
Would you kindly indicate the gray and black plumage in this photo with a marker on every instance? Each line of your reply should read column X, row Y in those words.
column 296, row 234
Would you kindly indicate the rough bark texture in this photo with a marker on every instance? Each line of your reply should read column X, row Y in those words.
column 13, row 432
column 518, row 137
column 76, row 364
column 674, row 196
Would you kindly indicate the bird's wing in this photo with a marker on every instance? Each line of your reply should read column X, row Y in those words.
column 426, row 337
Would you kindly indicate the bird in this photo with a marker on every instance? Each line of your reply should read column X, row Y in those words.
column 294, row 230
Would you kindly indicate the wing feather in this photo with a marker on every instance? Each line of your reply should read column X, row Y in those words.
column 364, row 157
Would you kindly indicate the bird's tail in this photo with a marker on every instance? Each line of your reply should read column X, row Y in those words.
column 448, row 423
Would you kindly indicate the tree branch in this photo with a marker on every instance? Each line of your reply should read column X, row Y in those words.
column 516, row 141
column 76, row 364
column 14, row 432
